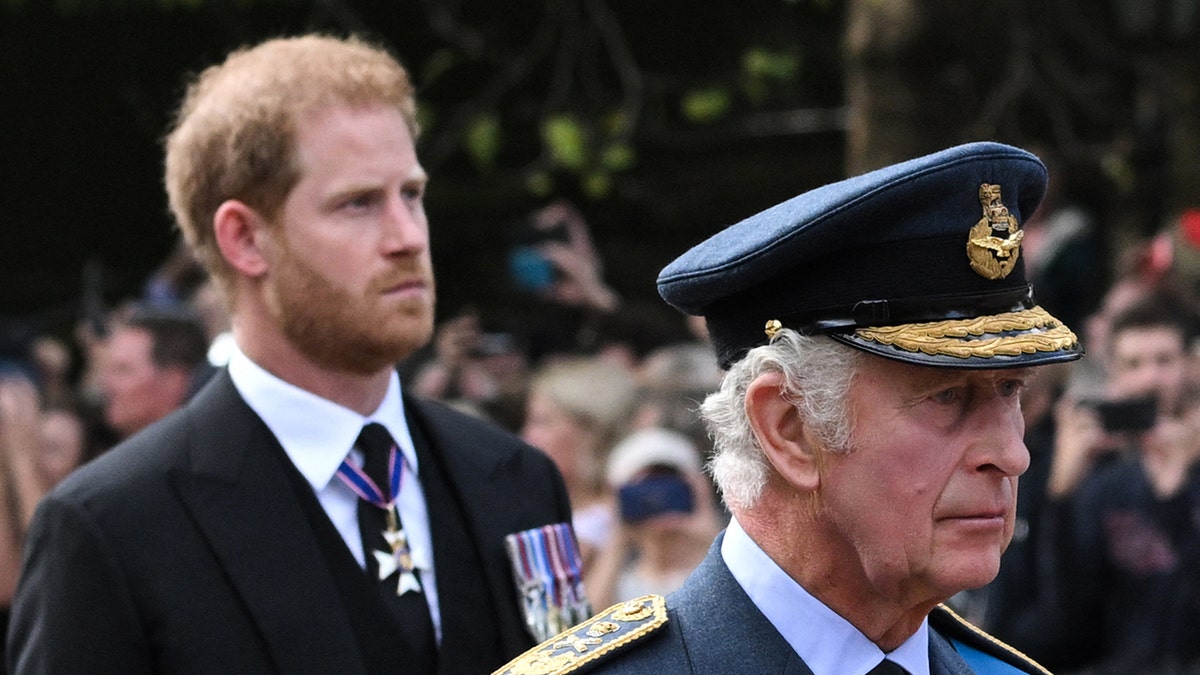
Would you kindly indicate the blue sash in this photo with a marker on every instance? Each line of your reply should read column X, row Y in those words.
column 981, row 663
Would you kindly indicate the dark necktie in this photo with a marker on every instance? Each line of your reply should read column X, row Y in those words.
column 410, row 609
column 887, row 667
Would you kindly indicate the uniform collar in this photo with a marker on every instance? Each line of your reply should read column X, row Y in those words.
column 827, row 643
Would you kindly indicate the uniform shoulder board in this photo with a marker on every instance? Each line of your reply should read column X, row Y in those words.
column 603, row 634
column 983, row 652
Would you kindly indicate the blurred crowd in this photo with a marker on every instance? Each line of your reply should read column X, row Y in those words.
column 1103, row 574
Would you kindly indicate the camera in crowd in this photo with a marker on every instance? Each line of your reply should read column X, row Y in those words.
column 649, row 470
column 661, row 491
column 529, row 269
column 1126, row 415
column 16, row 338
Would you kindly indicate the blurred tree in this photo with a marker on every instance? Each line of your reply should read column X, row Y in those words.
column 662, row 123
column 1113, row 87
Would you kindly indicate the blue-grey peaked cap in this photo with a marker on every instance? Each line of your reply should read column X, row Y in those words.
column 919, row 261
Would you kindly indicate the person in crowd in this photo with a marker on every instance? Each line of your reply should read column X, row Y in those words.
column 667, row 517
column 1124, row 510
column 557, row 300
column 1065, row 249
column 301, row 513
column 149, row 366
column 488, row 371
column 877, row 334
column 672, row 381
column 176, row 279
column 209, row 305
column 627, row 337
column 554, row 257
column 63, row 445
column 577, row 409
column 38, row 448
column 1140, row 271
column 19, row 487
column 1080, row 441
column 53, row 363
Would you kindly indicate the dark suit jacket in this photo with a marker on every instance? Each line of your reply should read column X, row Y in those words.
column 714, row 628
column 186, row 550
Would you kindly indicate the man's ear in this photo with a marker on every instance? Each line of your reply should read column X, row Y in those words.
column 785, row 439
column 241, row 234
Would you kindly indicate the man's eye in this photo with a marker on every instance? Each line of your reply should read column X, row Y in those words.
column 359, row 201
column 415, row 194
column 948, row 396
column 1008, row 388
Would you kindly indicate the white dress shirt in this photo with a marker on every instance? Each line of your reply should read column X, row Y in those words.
column 317, row 434
column 828, row 644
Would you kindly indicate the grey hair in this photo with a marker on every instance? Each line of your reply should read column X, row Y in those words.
column 817, row 373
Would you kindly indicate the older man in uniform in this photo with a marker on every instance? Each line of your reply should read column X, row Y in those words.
column 877, row 333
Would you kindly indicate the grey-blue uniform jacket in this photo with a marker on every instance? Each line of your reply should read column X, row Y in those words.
column 711, row 626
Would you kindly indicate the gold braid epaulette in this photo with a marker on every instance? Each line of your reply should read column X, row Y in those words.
column 600, row 635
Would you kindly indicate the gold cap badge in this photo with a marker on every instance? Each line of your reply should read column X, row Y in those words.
column 994, row 244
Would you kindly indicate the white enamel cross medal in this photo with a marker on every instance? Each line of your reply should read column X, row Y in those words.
column 399, row 558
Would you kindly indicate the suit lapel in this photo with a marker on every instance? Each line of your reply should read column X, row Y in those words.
column 469, row 631
column 242, row 503
column 480, row 479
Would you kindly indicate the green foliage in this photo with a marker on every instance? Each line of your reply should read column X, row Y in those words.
column 760, row 62
column 483, row 141
column 566, row 141
column 539, row 183
column 706, row 105
column 439, row 63
column 618, row 157
column 71, row 7
column 616, row 123
column 426, row 117
column 596, row 184
column 764, row 71
column 590, row 150
column 590, row 74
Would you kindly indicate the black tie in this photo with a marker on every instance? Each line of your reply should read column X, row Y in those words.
column 411, row 610
column 887, row 667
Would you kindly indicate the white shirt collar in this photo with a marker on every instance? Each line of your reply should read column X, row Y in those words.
column 828, row 644
column 315, row 433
